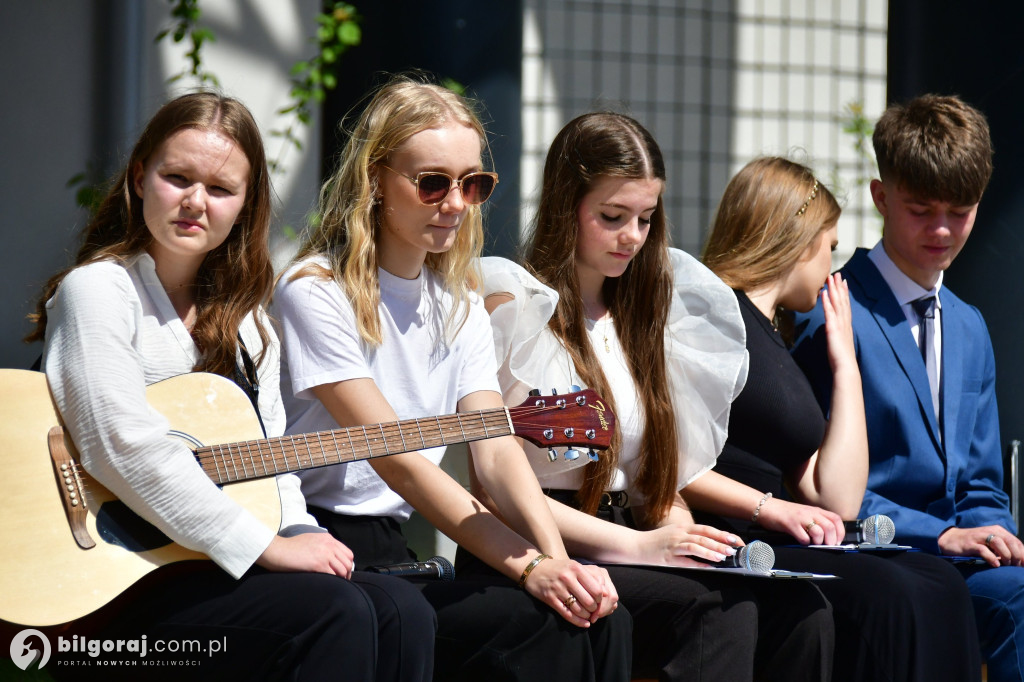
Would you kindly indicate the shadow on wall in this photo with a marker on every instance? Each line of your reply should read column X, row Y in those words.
column 476, row 44
column 669, row 65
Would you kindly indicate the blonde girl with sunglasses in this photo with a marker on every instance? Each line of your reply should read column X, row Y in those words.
column 380, row 323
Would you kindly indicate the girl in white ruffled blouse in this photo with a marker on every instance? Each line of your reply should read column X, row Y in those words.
column 661, row 339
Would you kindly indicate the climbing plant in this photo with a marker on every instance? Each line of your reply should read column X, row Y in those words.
column 337, row 31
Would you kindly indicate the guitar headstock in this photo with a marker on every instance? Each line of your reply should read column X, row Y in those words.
column 577, row 419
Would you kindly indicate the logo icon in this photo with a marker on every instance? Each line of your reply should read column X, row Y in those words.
column 25, row 649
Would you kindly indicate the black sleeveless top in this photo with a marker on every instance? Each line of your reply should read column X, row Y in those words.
column 775, row 423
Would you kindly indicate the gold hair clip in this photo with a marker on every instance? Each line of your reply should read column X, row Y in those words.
column 814, row 193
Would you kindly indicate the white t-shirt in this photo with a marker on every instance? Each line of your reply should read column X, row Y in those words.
column 111, row 331
column 418, row 369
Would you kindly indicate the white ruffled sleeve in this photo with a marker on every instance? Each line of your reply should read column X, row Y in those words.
column 528, row 354
column 520, row 345
column 706, row 357
column 705, row 349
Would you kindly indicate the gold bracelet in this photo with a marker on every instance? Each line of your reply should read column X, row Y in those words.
column 530, row 566
column 757, row 512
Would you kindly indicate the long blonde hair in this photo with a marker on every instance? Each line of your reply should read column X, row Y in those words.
column 770, row 213
column 235, row 278
column 349, row 219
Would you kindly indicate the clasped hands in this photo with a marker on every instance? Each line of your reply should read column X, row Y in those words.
column 580, row 593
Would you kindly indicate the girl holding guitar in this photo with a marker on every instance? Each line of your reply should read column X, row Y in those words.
column 170, row 279
column 660, row 337
column 380, row 321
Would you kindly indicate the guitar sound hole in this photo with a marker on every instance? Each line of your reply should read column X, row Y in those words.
column 119, row 525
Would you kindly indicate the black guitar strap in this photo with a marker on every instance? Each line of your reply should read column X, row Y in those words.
column 248, row 380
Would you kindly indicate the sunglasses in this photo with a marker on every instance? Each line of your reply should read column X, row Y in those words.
column 433, row 187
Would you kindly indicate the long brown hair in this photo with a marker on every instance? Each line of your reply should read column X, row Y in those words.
column 349, row 220
column 770, row 213
column 590, row 147
column 235, row 278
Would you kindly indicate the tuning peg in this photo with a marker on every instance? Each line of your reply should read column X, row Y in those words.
column 572, row 454
column 552, row 454
column 574, row 389
column 534, row 392
column 592, row 454
column 554, row 391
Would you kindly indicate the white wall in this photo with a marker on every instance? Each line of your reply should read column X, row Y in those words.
column 717, row 82
column 81, row 75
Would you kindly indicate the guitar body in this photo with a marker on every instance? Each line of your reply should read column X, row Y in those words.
column 46, row 577
column 62, row 560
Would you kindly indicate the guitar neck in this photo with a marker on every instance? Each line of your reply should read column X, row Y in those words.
column 247, row 460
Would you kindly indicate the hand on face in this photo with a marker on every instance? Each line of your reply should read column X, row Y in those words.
column 835, row 301
column 193, row 188
column 804, row 281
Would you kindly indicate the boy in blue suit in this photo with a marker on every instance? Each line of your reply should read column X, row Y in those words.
column 927, row 365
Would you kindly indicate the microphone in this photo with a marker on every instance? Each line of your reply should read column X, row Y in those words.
column 754, row 556
column 435, row 567
column 877, row 529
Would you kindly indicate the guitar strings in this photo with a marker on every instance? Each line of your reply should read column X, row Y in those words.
column 233, row 461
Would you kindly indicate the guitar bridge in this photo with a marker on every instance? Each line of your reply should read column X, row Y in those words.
column 72, row 492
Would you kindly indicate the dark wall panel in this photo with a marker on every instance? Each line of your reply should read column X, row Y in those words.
column 974, row 50
column 477, row 44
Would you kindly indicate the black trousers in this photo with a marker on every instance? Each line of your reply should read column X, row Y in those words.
column 707, row 625
column 488, row 628
column 267, row 626
column 899, row 615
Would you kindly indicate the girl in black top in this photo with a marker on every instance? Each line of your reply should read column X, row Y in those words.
column 787, row 470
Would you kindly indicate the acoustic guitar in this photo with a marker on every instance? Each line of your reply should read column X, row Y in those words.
column 69, row 546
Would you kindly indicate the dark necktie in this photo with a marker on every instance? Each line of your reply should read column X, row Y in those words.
column 925, row 309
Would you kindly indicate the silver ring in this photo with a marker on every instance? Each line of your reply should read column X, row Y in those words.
column 988, row 540
column 569, row 601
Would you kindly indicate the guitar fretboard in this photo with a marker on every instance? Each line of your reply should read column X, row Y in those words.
column 246, row 460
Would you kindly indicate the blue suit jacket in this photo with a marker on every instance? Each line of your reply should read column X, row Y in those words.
column 926, row 484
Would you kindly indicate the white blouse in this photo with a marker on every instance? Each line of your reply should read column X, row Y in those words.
column 111, row 331
column 706, row 358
